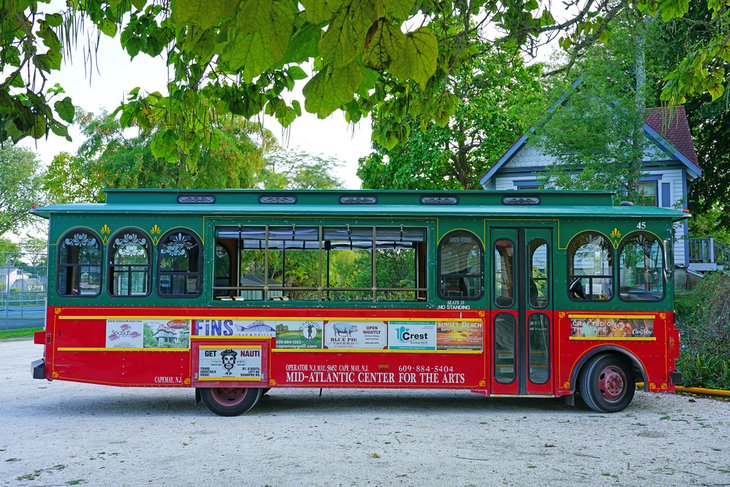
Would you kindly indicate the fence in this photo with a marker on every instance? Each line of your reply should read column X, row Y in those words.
column 23, row 283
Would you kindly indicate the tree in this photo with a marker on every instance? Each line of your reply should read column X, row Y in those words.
column 240, row 56
column 7, row 246
column 595, row 131
column 20, row 184
column 709, row 119
column 108, row 158
column 287, row 169
column 497, row 94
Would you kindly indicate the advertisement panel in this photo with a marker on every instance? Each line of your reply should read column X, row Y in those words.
column 459, row 335
column 147, row 333
column 304, row 334
column 124, row 333
column 412, row 335
column 601, row 326
column 212, row 327
column 363, row 335
column 230, row 362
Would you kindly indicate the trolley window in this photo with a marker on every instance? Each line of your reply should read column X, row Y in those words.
column 129, row 263
column 641, row 275
column 79, row 264
column 539, row 278
column 504, row 273
column 180, row 264
column 324, row 263
column 461, row 266
column 590, row 267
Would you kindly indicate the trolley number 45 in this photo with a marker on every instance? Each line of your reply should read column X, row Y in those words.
column 425, row 368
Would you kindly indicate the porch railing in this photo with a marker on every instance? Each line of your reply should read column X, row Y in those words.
column 707, row 250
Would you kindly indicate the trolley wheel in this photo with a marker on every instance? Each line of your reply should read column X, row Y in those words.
column 230, row 401
column 607, row 384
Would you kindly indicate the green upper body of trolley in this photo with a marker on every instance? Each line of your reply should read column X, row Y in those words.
column 203, row 212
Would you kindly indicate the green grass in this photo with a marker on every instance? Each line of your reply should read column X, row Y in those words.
column 19, row 333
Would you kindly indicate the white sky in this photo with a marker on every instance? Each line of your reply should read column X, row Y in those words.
column 114, row 75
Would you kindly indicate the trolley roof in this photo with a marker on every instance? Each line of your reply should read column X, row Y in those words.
column 547, row 203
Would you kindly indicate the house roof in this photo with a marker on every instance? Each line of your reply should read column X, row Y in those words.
column 666, row 126
column 671, row 123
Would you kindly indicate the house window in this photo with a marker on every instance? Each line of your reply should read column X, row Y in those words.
column 180, row 264
column 648, row 193
column 79, row 264
column 527, row 184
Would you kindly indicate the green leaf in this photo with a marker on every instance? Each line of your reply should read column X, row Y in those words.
column 417, row 57
column 17, row 81
column 331, row 88
column 384, row 41
column 10, row 55
column 39, row 128
column 716, row 91
column 346, row 35
column 399, row 9
column 296, row 72
column 320, row 11
column 108, row 27
column 304, row 44
column 49, row 61
column 60, row 130
column 164, row 145
column 65, row 109
column 204, row 13
column 260, row 38
column 54, row 20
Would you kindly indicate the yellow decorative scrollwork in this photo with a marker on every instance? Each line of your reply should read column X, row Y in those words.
column 615, row 237
column 105, row 232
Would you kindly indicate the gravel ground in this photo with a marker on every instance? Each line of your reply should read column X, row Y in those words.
column 64, row 433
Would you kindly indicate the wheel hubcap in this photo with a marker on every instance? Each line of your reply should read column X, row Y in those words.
column 612, row 383
column 229, row 396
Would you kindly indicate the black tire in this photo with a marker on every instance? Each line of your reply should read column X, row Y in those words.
column 607, row 384
column 230, row 401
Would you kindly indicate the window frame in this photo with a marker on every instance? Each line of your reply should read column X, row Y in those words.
column 627, row 238
column 513, row 297
column 480, row 246
column 570, row 254
column 199, row 266
column 111, row 265
column 370, row 237
column 531, row 277
column 59, row 263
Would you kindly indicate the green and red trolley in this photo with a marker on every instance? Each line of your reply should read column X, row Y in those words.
column 541, row 293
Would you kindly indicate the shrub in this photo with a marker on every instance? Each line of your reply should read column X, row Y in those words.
column 704, row 370
column 703, row 316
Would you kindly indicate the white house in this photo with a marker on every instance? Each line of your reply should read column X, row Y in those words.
column 670, row 167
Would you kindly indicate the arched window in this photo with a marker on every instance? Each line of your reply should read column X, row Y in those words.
column 641, row 260
column 129, row 263
column 79, row 264
column 590, row 267
column 180, row 264
column 461, row 274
